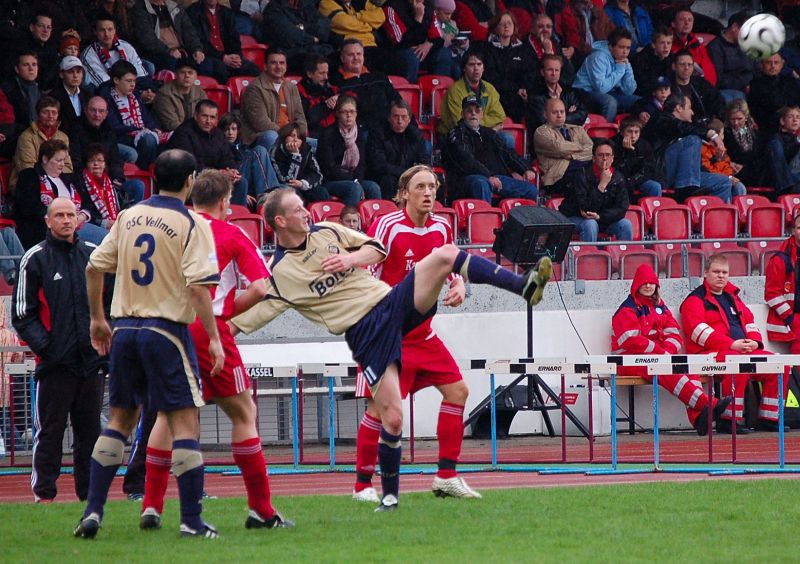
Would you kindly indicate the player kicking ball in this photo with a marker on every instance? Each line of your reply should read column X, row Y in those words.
column 409, row 235
column 237, row 257
column 316, row 271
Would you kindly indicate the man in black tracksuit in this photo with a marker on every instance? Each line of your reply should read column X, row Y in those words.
column 50, row 311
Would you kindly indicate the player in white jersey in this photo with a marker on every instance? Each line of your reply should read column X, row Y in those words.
column 410, row 235
column 164, row 260
column 315, row 270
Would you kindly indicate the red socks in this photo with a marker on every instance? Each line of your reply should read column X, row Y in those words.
column 450, row 432
column 250, row 459
column 157, row 467
column 366, row 451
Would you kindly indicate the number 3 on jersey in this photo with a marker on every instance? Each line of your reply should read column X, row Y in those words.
column 147, row 243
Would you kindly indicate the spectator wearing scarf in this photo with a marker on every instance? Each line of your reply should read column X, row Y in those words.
column 98, row 186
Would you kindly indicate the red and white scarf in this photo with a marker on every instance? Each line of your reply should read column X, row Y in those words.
column 105, row 54
column 102, row 194
column 48, row 192
column 132, row 113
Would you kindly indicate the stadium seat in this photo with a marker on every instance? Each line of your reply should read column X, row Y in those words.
column 204, row 81
column 449, row 214
column 719, row 220
column 428, row 83
column 620, row 117
column 481, row 225
column 761, row 252
column 765, row 220
column 237, row 84
column 554, row 203
column 437, row 95
column 465, row 206
column 133, row 172
column 252, row 224
column 256, row 54
column 635, row 215
column 594, row 119
column 602, row 131
column 519, row 133
column 589, row 263
column 412, row 94
column 705, row 38
column 165, row 76
column 293, row 78
column 370, row 210
column 508, row 203
column 672, row 223
column 743, row 204
column 627, row 258
column 670, row 260
column 650, row 204
column 791, row 206
column 738, row 257
column 397, row 80
column 221, row 96
column 325, row 211
column 428, row 131
column 696, row 204
column 247, row 40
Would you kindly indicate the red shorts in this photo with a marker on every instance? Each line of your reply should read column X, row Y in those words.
column 233, row 379
column 425, row 363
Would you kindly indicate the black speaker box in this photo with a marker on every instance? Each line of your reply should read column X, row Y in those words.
column 531, row 232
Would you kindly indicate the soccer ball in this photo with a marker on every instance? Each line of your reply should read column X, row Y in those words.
column 762, row 36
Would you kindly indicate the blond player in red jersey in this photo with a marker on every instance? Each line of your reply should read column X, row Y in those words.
column 409, row 235
column 238, row 258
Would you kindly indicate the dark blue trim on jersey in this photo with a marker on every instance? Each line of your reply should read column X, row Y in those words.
column 159, row 201
column 172, row 327
column 208, row 279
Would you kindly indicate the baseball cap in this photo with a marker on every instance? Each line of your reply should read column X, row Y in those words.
column 661, row 82
column 470, row 101
column 70, row 63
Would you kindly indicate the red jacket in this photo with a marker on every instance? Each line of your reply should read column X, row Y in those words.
column 698, row 50
column 779, row 292
column 641, row 327
column 706, row 326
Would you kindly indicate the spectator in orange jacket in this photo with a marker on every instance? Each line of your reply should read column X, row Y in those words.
column 714, row 158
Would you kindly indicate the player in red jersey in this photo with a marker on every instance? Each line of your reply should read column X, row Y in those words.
column 238, row 258
column 409, row 235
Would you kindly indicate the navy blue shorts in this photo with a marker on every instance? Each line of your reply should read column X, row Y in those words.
column 376, row 340
column 153, row 362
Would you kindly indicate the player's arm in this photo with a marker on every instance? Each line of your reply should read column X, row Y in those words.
column 255, row 292
column 365, row 256
column 99, row 330
column 200, row 299
column 457, row 292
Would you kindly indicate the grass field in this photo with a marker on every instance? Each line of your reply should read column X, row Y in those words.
column 708, row 521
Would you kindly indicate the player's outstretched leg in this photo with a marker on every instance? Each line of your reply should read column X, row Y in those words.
column 432, row 271
column 106, row 460
column 369, row 431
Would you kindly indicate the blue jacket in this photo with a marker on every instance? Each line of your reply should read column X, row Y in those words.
column 640, row 19
column 601, row 73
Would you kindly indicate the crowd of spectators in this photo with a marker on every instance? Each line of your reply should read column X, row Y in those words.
column 322, row 114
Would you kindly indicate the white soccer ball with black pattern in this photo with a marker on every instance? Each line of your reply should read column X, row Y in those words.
column 762, row 36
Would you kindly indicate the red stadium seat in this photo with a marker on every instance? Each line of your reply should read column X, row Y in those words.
column 635, row 215
column 465, row 206
column 247, row 40
column 743, row 205
column 293, row 78
column 590, row 263
column 620, row 117
column 719, row 221
column 672, row 223
column 133, row 172
column 370, row 210
column 554, row 203
column 481, row 225
column 437, row 95
column 519, row 133
column 397, row 80
column 696, row 204
column 412, row 94
column 203, row 81
column 449, row 214
column 595, row 119
column 221, row 96
column 791, row 206
column 237, row 84
column 627, row 258
column 508, row 203
column 428, row 83
column 325, row 211
column 256, row 54
column 252, row 224
column 765, row 220
column 165, row 76
column 670, row 260
column 652, row 203
column 602, row 131
column 738, row 257
column 761, row 252
column 705, row 38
